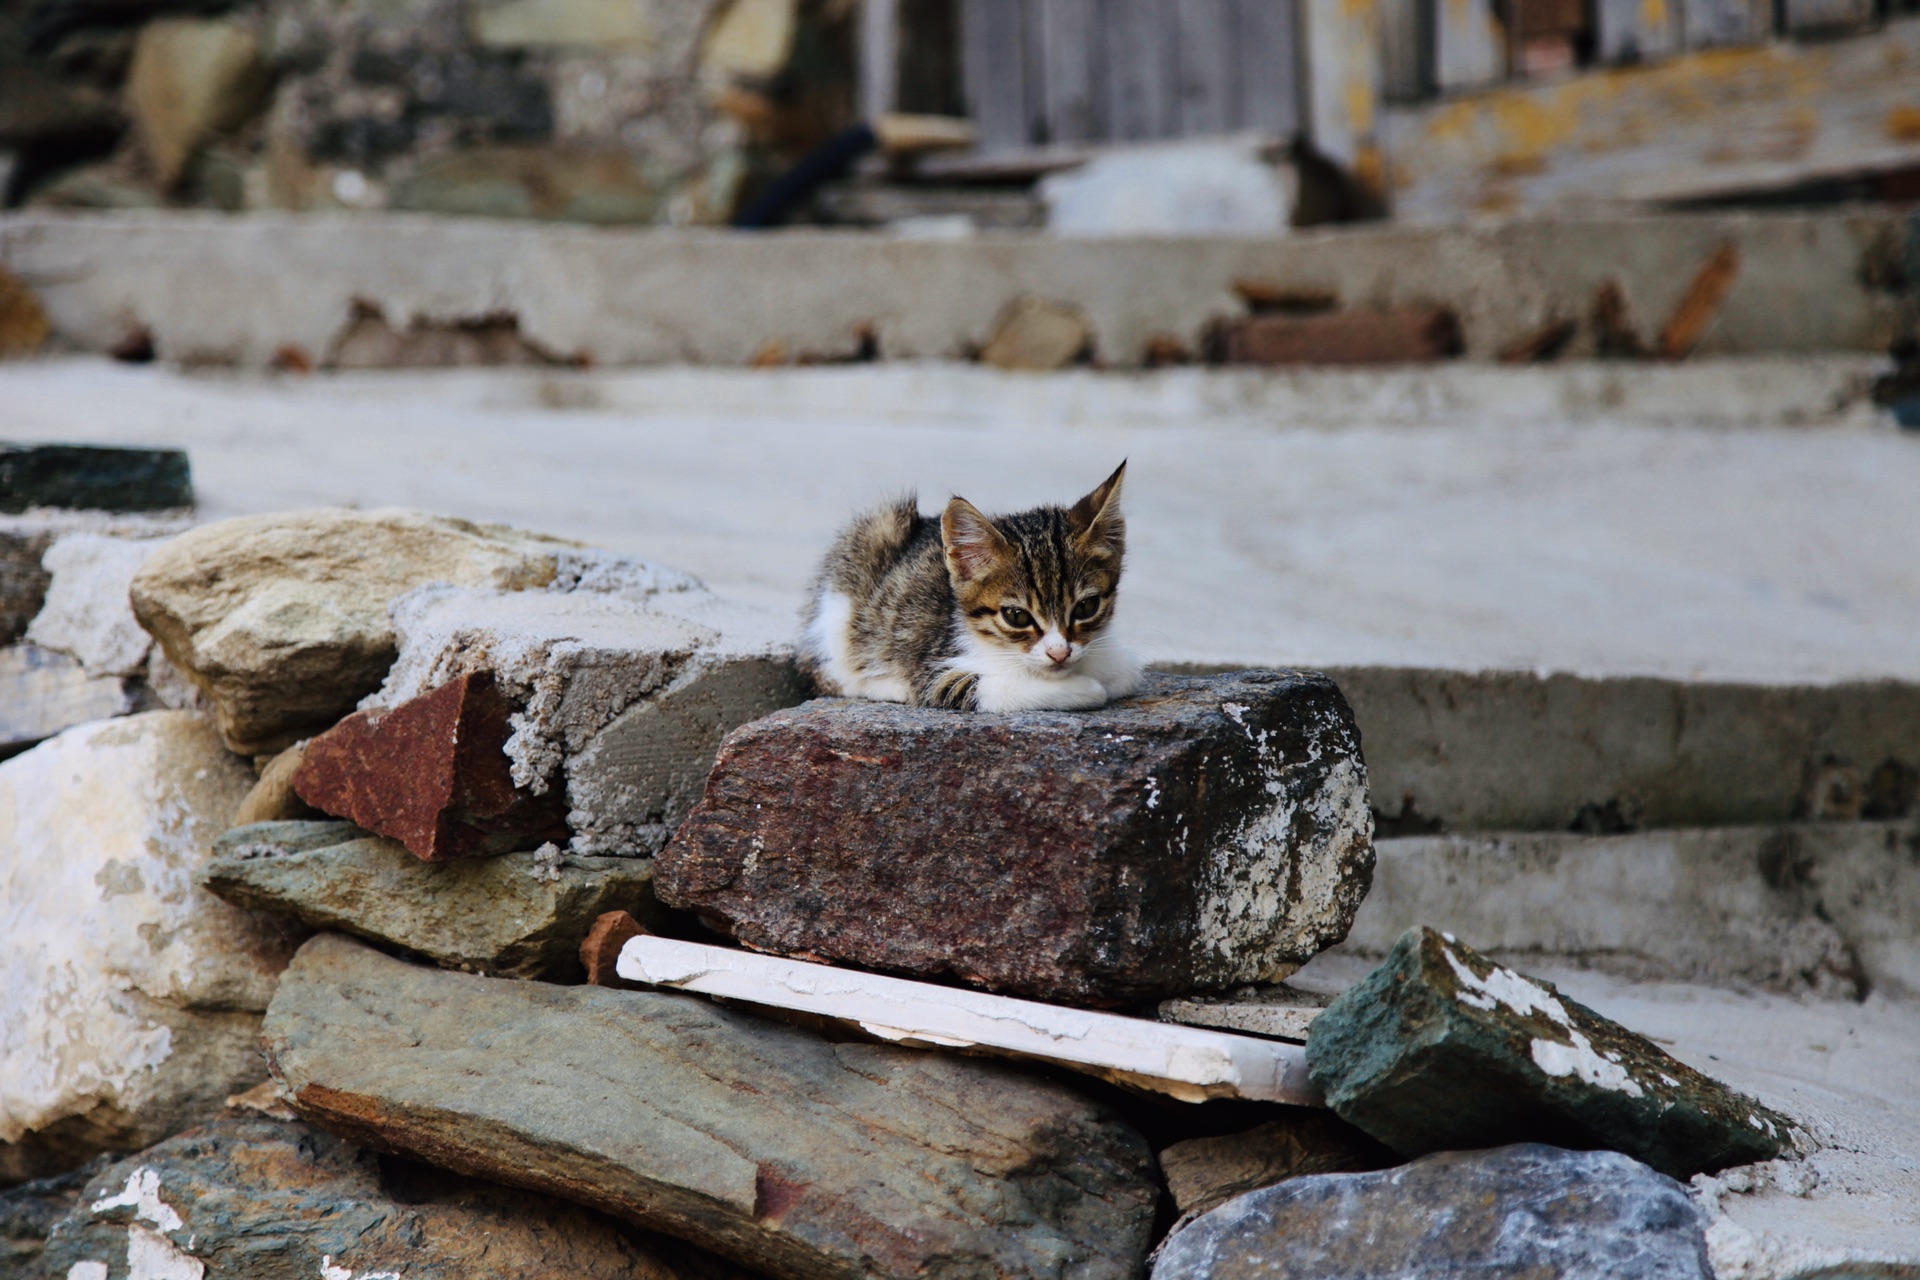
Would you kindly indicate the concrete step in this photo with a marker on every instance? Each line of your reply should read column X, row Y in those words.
column 1829, row 909
column 212, row 289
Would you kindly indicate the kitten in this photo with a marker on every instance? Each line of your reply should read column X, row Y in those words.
column 1009, row 613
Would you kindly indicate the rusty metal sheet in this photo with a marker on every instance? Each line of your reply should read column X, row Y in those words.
column 1705, row 126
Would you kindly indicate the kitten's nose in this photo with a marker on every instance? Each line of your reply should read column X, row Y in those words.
column 1058, row 651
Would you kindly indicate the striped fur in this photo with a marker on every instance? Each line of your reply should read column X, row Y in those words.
column 972, row 612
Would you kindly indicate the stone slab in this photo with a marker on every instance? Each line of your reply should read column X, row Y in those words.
column 268, row 1199
column 1205, row 833
column 431, row 773
column 94, row 477
column 1441, row 1048
column 1505, row 1214
column 517, row 916
column 764, row 1143
column 1188, row 1063
column 212, row 289
column 1829, row 909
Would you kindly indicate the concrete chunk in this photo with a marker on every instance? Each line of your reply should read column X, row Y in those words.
column 764, row 1143
column 1206, row 833
column 1439, row 1047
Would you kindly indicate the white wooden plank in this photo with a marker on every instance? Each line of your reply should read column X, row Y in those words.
column 1637, row 30
column 1707, row 24
column 1406, row 53
column 879, row 57
column 993, row 69
column 1069, row 65
column 1186, row 1062
column 1137, row 69
column 1469, row 45
column 1343, row 87
column 1270, row 70
column 1207, row 67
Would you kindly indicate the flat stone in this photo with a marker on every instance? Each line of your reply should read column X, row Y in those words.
column 1440, row 1047
column 518, row 916
column 30, row 1211
column 751, row 40
column 432, row 773
column 132, row 1001
column 246, row 1195
column 282, row 619
column 94, row 477
column 558, row 183
column 43, row 693
column 792, row 1155
column 190, row 78
column 1033, row 333
column 624, row 688
column 1210, row 832
column 614, row 25
column 1509, row 1214
column 87, row 613
column 1204, row 1173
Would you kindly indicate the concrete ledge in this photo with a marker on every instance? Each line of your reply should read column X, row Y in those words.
column 1830, row 908
column 224, row 290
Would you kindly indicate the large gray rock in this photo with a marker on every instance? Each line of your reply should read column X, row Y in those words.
column 1440, row 1047
column 265, row 1199
column 795, row 1156
column 1208, row 832
column 1515, row 1213
column 517, row 916
column 132, row 998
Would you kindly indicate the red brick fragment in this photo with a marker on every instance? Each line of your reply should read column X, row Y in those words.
column 433, row 774
column 1399, row 335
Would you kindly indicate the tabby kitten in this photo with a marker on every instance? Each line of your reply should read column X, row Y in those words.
column 1008, row 613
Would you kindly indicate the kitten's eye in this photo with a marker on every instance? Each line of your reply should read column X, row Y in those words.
column 1086, row 608
column 1018, row 619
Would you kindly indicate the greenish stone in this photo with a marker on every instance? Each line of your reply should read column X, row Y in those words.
column 1440, row 1048
column 93, row 477
column 533, row 182
column 515, row 916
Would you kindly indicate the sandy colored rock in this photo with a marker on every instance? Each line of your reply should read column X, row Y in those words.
column 1208, row 832
column 792, row 1155
column 132, row 998
column 522, row 915
column 87, row 613
column 1204, row 1173
column 432, row 773
column 751, row 39
column 1508, row 1214
column 248, row 1196
column 273, row 798
column 1442, row 1048
column 1035, row 334
column 282, row 619
column 190, row 78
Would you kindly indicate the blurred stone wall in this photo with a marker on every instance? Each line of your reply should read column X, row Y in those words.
column 602, row 111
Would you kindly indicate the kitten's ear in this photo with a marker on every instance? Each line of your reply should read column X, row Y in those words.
column 972, row 543
column 1099, row 511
